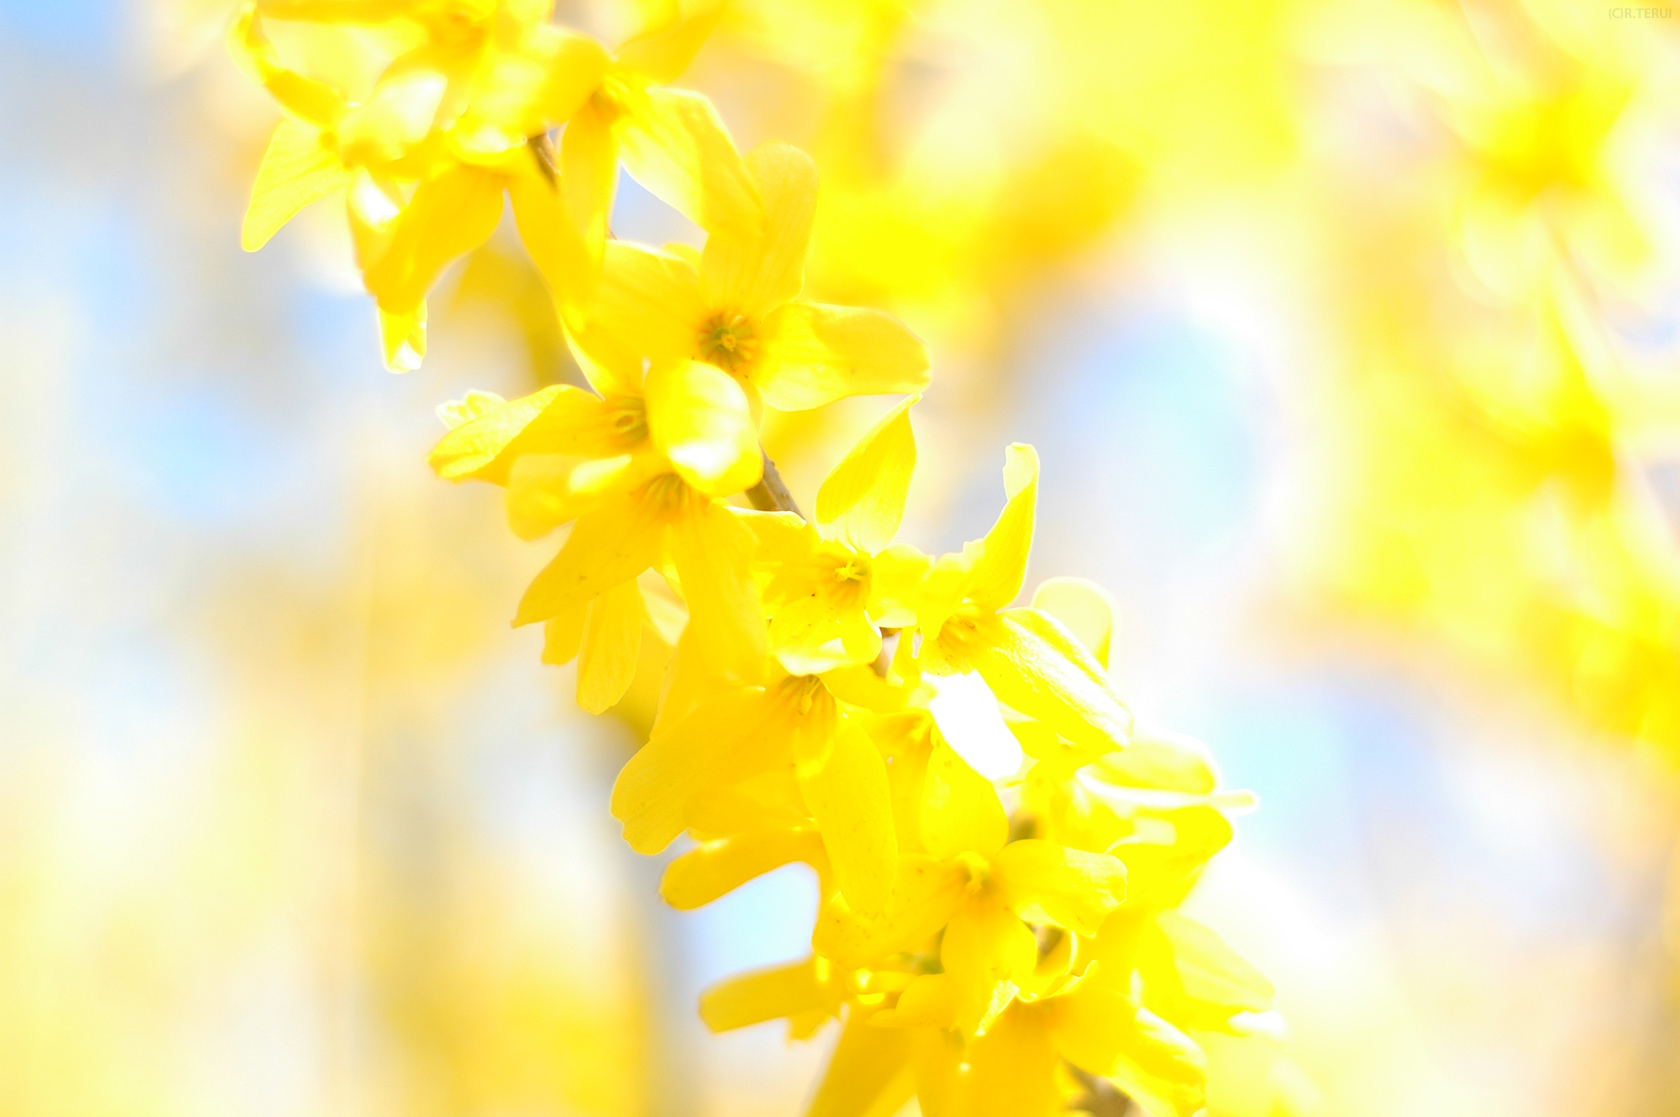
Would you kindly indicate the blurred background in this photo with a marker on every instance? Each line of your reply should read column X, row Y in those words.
column 1348, row 332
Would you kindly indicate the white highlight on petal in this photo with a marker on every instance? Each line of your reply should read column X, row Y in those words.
column 967, row 714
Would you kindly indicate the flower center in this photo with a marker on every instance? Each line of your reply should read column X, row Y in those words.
column 854, row 569
column 805, row 693
column 842, row 576
column 608, row 98
column 960, row 634
column 976, row 868
column 728, row 341
column 666, row 493
column 627, row 419
column 458, row 21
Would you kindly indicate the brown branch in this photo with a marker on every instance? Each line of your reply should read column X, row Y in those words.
column 771, row 493
column 542, row 149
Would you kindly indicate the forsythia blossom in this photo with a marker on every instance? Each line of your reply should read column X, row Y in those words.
column 460, row 116
column 1001, row 853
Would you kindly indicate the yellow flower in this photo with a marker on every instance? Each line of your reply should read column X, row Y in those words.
column 1187, row 972
column 1015, row 1069
column 669, row 140
column 779, row 724
column 1104, row 985
column 737, row 307
column 719, row 865
column 606, row 636
column 979, row 886
column 1018, row 1068
column 832, row 583
column 638, row 472
column 445, row 131
column 974, row 651
column 427, row 154
column 807, row 994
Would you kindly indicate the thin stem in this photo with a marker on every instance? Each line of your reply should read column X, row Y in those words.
column 771, row 493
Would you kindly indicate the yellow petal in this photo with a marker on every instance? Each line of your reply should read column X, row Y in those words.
column 714, row 868
column 563, row 636
column 942, row 1074
column 690, row 680
column 612, row 645
column 862, row 499
column 647, row 302
column 1161, row 760
column 686, row 251
column 990, row 952
column 611, row 369
column 985, row 940
column 411, row 97
column 925, row 894
column 1002, row 567
column 723, row 740
column 575, row 65
column 1013, row 1070
column 699, row 418
column 754, row 270
column 554, row 243
column 782, row 536
column 968, row 717
column 712, row 551
column 296, row 170
column 661, row 55
column 315, row 101
column 896, row 577
column 373, row 204
column 504, row 109
column 1075, row 888
column 605, row 548
column 769, row 994
column 448, row 216
column 930, row 1001
column 860, row 640
column 522, row 17
column 814, row 354
column 1084, row 608
column 867, row 1076
column 960, row 810
column 846, row 789
column 1162, row 859
column 673, row 142
column 589, row 177
column 1209, row 970
column 939, row 594
column 666, row 613
column 482, row 448
column 857, row 684
column 547, row 490
column 797, row 632
column 1099, row 1029
column 402, row 337
column 476, row 403
column 758, row 806
column 1037, row 666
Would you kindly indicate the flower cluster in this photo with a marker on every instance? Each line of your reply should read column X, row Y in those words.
column 1000, row 853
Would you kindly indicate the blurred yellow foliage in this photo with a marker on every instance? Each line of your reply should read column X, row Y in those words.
column 1480, row 239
